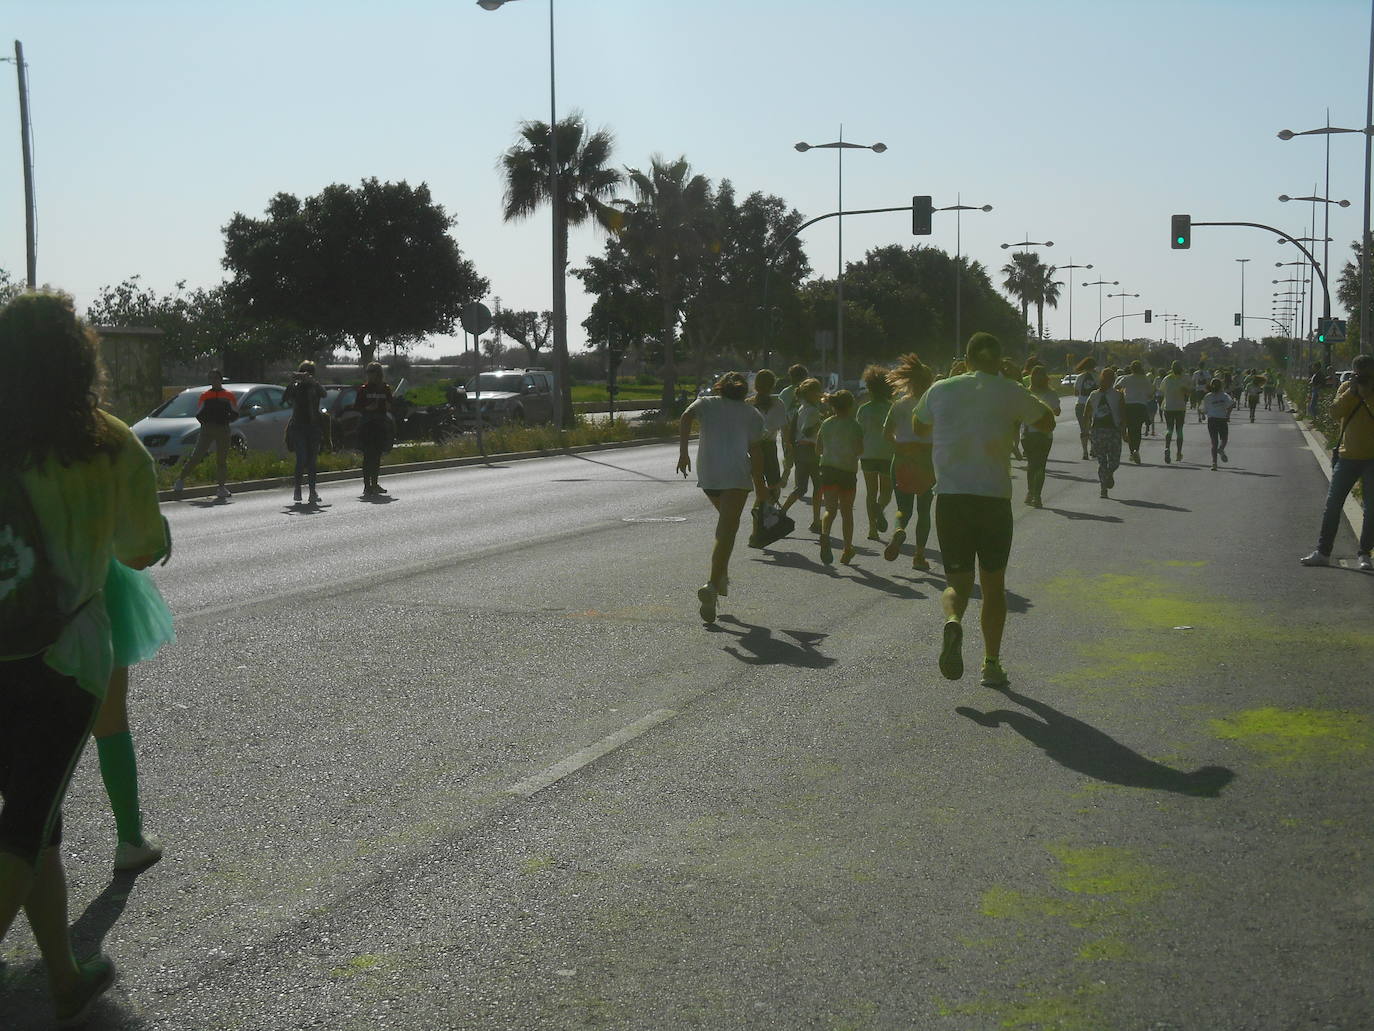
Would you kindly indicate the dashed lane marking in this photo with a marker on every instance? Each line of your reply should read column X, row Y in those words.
column 583, row 757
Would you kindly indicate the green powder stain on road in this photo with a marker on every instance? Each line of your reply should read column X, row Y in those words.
column 1299, row 735
column 1041, row 1010
column 1105, row 950
column 1106, row 871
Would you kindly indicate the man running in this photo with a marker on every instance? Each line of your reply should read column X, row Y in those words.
column 1136, row 389
column 1201, row 378
column 971, row 419
column 1174, row 390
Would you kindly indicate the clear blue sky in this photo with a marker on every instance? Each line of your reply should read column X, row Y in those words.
column 1087, row 123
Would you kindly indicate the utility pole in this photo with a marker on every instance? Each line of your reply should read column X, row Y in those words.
column 27, row 152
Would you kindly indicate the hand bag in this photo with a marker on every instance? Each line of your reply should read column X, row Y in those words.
column 770, row 525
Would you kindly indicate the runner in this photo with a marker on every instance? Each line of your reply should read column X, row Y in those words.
column 1217, row 405
column 971, row 419
column 1036, row 443
column 374, row 430
column 806, row 423
column 1173, row 389
column 1107, row 412
column 913, row 472
column 1009, row 372
column 1082, row 387
column 796, row 375
column 1136, row 389
column 1200, row 381
column 215, row 410
column 877, row 456
column 1268, row 389
column 838, row 445
column 1253, row 390
column 729, row 459
column 774, row 413
column 1152, row 405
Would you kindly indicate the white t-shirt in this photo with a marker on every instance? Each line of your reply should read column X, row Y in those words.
column 1218, row 405
column 899, row 418
column 973, row 421
column 1051, row 401
column 774, row 419
column 727, row 429
column 1083, row 386
column 1200, row 380
column 1175, row 391
column 809, row 421
column 1136, row 387
column 1107, row 408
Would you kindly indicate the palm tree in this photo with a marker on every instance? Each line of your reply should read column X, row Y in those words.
column 669, row 227
column 1046, row 292
column 584, row 179
column 1020, row 280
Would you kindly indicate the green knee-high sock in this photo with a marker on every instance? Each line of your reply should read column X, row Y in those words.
column 119, row 771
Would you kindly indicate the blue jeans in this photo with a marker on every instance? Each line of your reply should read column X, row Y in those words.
column 305, row 442
column 1343, row 478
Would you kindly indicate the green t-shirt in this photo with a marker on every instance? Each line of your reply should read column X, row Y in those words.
column 872, row 416
column 841, row 443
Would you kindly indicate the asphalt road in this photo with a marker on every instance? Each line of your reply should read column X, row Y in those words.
column 353, row 753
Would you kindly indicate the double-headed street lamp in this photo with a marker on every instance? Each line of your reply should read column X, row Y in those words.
column 1069, row 269
column 1123, row 297
column 1100, row 284
column 840, row 146
column 959, row 207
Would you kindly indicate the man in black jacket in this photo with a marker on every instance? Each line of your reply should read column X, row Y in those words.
column 217, row 409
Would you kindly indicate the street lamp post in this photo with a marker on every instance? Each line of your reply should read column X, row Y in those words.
column 1123, row 297
column 1100, row 284
column 959, row 207
column 1242, row 262
column 840, row 146
column 560, row 299
column 1069, row 268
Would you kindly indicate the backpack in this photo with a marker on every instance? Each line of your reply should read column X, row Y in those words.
column 31, row 618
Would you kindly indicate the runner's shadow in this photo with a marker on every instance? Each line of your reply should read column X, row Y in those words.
column 1247, row 472
column 1090, row 516
column 758, row 647
column 1078, row 746
column 1066, row 476
column 89, row 931
column 208, row 502
column 621, row 468
column 879, row 583
column 1137, row 503
column 376, row 499
column 302, row 509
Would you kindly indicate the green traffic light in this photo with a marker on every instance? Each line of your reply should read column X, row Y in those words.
column 1182, row 239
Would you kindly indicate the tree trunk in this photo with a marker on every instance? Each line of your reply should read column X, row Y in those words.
column 1040, row 320
column 560, row 327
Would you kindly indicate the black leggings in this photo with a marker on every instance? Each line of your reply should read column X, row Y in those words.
column 1173, row 425
column 44, row 720
column 1219, row 430
column 921, row 503
column 1136, row 415
column 1036, row 447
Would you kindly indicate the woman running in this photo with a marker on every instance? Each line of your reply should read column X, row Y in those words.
column 1107, row 416
column 1268, row 389
column 1253, row 390
column 1084, row 385
column 729, row 459
column 1036, row 443
column 913, row 467
column 774, row 413
column 1135, row 389
column 806, row 425
column 839, row 443
column 876, row 461
column 1217, row 405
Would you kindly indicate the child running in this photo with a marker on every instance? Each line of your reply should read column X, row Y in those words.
column 805, row 425
column 1217, row 405
column 839, row 443
column 913, row 471
column 774, row 413
column 1036, row 443
column 876, row 460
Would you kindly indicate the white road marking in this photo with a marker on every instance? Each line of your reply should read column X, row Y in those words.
column 565, row 767
column 653, row 519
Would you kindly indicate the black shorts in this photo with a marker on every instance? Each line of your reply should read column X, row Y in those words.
column 772, row 472
column 973, row 527
column 875, row 465
column 838, row 479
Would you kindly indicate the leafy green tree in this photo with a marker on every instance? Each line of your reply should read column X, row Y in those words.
column 585, row 181
column 10, row 288
column 1348, row 295
column 531, row 330
column 626, row 315
column 1046, row 293
column 374, row 264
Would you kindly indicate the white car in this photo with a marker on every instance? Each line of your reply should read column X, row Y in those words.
column 170, row 431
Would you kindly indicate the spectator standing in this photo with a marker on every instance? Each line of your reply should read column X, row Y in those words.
column 1316, row 380
column 971, row 419
column 215, row 410
column 305, row 431
column 85, row 486
column 1353, row 408
column 374, row 401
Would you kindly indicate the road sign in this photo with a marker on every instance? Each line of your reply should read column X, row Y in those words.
column 476, row 318
column 1337, row 332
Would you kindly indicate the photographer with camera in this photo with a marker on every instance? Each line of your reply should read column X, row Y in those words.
column 305, row 431
column 1353, row 457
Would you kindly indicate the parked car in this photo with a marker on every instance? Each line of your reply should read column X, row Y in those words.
column 170, row 430
column 511, row 396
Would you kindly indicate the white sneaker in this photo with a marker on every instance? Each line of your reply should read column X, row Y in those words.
column 223, row 493
column 136, row 857
column 178, row 485
column 1316, row 559
column 1367, row 564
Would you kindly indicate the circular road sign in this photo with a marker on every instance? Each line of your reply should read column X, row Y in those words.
column 476, row 318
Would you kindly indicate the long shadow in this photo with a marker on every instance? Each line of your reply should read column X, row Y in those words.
column 879, row 583
column 1090, row 516
column 208, row 502
column 623, row 469
column 1137, row 503
column 1248, row 472
column 376, row 499
column 1078, row 746
column 302, row 509
column 865, row 578
column 104, row 911
column 1066, row 476
column 758, row 647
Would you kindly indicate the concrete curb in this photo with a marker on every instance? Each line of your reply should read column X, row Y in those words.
column 1353, row 515
column 243, row 486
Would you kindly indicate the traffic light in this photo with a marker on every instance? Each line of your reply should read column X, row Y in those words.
column 1237, row 318
column 1181, row 235
column 1149, row 315
column 921, row 209
column 1323, row 329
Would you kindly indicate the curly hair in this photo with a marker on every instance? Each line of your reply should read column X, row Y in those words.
column 48, row 396
column 732, row 386
column 911, row 375
column 879, row 387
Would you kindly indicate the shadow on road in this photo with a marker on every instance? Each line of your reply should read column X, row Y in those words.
column 623, row 469
column 758, row 647
column 1137, row 503
column 1092, row 516
column 1066, row 476
column 376, row 499
column 1085, row 749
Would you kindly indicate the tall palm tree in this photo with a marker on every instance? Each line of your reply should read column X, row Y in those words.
column 1046, row 292
column 670, row 227
column 584, row 179
column 1019, row 280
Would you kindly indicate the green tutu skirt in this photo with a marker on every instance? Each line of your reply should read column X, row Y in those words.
column 140, row 621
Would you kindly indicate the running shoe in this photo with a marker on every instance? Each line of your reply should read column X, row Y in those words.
column 1102, row 493
column 314, row 499
column 1366, row 563
column 827, row 555
column 723, row 588
column 706, row 595
column 993, row 674
column 847, row 555
column 1035, row 502
column 1111, row 481
column 1135, row 457
column 894, row 546
column 1028, row 500
column 1223, row 456
column 96, row 977
column 816, row 526
column 882, row 522
column 298, row 496
column 223, row 493
column 178, row 485
column 377, row 488
column 1214, row 465
column 1316, row 559
column 918, row 561
column 873, row 534
column 1166, row 456
column 951, row 651
column 129, row 856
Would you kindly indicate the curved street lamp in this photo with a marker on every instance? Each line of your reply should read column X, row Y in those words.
column 1069, row 269
column 959, row 207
